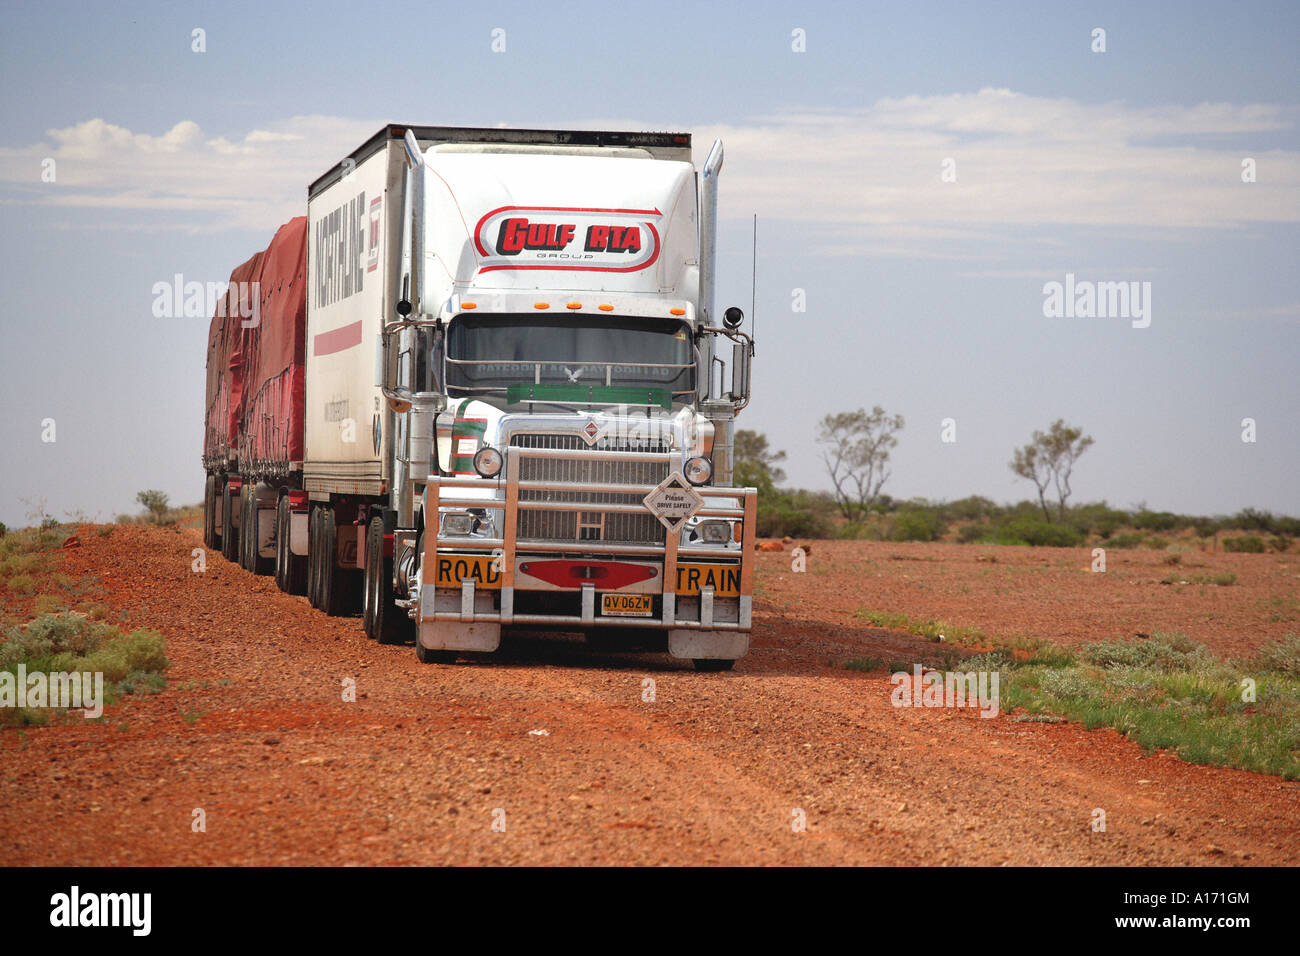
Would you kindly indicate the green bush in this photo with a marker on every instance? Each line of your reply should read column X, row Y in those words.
column 975, row 531
column 973, row 508
column 799, row 514
column 1036, row 532
column 1247, row 544
column 1282, row 657
column 1125, row 541
column 915, row 525
column 1158, row 520
column 1160, row 652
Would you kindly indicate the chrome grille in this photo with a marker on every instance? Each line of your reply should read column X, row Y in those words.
column 590, row 522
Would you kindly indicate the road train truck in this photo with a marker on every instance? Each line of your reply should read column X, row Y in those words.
column 482, row 385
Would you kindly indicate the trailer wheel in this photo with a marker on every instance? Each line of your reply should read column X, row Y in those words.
column 713, row 665
column 210, row 513
column 384, row 620
column 313, row 556
column 290, row 568
column 247, row 530
column 229, row 533
column 338, row 588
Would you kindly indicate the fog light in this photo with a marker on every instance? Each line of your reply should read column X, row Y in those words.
column 487, row 462
column 698, row 470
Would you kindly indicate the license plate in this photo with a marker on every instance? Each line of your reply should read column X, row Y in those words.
column 723, row 578
column 627, row 605
column 455, row 568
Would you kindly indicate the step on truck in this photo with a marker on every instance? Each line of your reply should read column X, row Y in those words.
column 482, row 385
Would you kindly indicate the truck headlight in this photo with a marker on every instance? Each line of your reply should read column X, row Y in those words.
column 714, row 532
column 457, row 523
column 487, row 462
column 698, row 470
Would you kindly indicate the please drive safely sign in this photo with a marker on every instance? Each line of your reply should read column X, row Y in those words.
column 673, row 501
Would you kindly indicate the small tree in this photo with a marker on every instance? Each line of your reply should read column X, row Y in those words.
column 155, row 502
column 1048, row 461
column 755, row 463
column 857, row 456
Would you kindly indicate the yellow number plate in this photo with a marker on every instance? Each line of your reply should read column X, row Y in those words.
column 627, row 605
column 455, row 568
column 723, row 578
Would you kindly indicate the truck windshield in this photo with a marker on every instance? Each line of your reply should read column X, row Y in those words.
column 489, row 353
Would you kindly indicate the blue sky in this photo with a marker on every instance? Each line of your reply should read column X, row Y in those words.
column 923, row 296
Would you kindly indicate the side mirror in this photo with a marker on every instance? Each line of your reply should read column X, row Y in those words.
column 740, row 372
column 733, row 317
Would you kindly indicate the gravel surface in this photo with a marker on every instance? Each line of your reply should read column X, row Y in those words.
column 550, row 753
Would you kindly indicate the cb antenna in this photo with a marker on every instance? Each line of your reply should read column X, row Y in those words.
column 753, row 285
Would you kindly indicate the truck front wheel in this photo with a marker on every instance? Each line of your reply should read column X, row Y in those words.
column 384, row 620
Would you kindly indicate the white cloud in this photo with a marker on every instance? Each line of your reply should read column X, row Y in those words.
column 1020, row 161
column 864, row 180
column 255, row 181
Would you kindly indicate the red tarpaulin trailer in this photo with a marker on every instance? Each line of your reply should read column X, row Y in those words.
column 272, row 394
column 225, row 335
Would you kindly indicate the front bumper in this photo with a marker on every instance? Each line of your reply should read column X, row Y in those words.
column 504, row 596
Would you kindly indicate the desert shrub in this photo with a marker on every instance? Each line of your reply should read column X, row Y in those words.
column 1100, row 518
column 1125, row 541
column 22, row 584
column 1160, row 652
column 53, row 634
column 140, row 650
column 1246, row 544
column 916, row 526
column 47, row 604
column 1280, row 543
column 798, row 514
column 1158, row 520
column 973, row 508
column 1282, row 656
column 1036, row 532
column 975, row 531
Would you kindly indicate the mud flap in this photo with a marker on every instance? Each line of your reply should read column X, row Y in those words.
column 455, row 636
column 708, row 645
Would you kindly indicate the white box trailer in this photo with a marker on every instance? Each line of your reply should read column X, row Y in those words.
column 516, row 415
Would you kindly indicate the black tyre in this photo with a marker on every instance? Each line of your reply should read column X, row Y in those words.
column 256, row 563
column 247, row 532
column 229, row 533
column 385, row 621
column 290, row 568
column 210, row 513
column 713, row 665
column 282, row 544
column 313, row 557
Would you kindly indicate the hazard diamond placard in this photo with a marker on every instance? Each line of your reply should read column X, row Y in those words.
column 673, row 501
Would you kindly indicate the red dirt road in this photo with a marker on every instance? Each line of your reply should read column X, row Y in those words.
column 253, row 731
